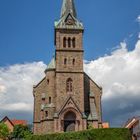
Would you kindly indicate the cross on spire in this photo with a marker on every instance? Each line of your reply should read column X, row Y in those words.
column 68, row 7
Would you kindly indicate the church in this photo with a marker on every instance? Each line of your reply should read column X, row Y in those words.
column 67, row 99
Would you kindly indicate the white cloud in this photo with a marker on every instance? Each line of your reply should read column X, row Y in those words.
column 118, row 72
column 119, row 75
column 16, row 84
column 19, row 106
column 138, row 19
column 2, row 88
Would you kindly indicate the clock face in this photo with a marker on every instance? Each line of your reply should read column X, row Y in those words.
column 70, row 20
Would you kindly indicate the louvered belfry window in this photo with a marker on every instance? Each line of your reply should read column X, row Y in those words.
column 73, row 43
column 64, row 42
column 69, row 42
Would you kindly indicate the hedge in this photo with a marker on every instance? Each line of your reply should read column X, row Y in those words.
column 94, row 134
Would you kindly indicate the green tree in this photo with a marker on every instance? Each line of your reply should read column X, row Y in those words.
column 4, row 131
column 21, row 131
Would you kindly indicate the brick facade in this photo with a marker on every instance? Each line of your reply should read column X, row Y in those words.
column 67, row 99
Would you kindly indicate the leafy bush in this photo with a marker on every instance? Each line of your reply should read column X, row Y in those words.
column 21, row 131
column 94, row 134
column 4, row 131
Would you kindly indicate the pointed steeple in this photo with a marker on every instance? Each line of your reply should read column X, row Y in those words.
column 68, row 18
column 68, row 7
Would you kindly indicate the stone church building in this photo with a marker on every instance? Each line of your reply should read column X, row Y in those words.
column 67, row 99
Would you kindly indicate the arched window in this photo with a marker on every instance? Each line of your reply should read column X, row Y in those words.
column 65, row 61
column 69, row 42
column 69, row 85
column 73, row 42
column 64, row 42
column 73, row 61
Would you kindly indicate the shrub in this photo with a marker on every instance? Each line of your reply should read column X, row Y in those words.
column 4, row 131
column 94, row 134
column 21, row 131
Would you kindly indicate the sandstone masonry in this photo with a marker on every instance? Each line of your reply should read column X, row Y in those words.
column 67, row 99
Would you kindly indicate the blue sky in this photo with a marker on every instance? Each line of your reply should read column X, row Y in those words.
column 27, row 45
column 27, row 31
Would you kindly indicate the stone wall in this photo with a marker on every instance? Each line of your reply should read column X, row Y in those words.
column 77, row 92
column 42, row 92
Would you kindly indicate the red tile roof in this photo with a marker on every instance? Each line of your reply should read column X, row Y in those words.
column 105, row 125
column 19, row 122
column 5, row 119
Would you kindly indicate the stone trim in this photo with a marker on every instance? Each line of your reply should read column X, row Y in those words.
column 68, row 99
column 68, row 50
column 69, row 72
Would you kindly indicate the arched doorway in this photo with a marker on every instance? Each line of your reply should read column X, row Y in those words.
column 69, row 121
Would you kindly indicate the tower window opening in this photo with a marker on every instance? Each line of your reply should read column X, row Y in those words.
column 73, row 42
column 48, row 81
column 69, row 42
column 64, row 42
column 73, row 61
column 65, row 61
column 69, row 85
column 50, row 100
column 46, row 114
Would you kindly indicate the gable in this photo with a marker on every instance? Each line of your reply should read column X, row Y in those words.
column 35, row 86
column 69, row 20
column 93, row 82
column 9, row 125
column 69, row 104
column 8, row 122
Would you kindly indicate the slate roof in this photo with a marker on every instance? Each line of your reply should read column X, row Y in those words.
column 68, row 7
column 93, row 114
column 51, row 64
column 61, row 24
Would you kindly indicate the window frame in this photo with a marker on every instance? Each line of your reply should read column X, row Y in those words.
column 69, row 85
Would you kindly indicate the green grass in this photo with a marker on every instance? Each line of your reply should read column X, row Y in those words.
column 94, row 134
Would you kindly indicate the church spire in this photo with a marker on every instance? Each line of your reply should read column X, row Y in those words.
column 68, row 18
column 68, row 7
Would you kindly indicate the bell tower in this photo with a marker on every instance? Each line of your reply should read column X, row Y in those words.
column 69, row 61
column 68, row 40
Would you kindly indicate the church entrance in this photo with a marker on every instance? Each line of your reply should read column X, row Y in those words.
column 69, row 122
